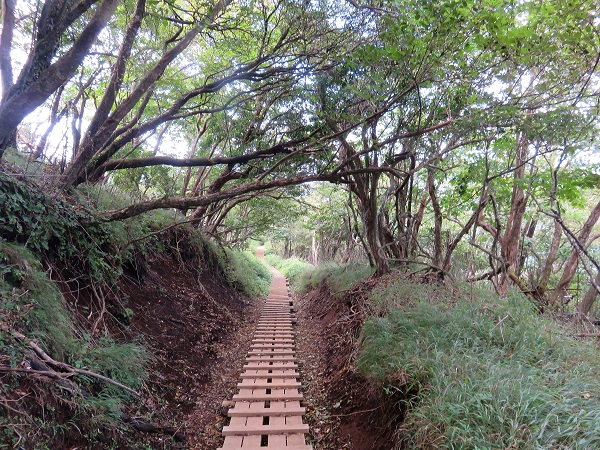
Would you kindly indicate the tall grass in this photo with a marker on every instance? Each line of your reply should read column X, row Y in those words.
column 339, row 277
column 246, row 273
column 488, row 373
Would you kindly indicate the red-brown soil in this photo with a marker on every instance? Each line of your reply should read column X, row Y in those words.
column 344, row 411
column 197, row 328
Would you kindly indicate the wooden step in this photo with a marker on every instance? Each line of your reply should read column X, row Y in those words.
column 272, row 358
column 275, row 365
column 275, row 395
column 265, row 374
column 287, row 447
column 250, row 383
column 263, row 412
column 272, row 351
column 264, row 429
column 272, row 346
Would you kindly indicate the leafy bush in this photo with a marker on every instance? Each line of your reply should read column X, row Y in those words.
column 486, row 374
column 53, row 227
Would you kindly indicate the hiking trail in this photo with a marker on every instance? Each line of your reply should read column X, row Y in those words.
column 266, row 413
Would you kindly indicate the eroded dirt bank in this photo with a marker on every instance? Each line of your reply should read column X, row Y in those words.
column 197, row 328
column 344, row 410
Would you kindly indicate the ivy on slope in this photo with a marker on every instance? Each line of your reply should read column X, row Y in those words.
column 55, row 228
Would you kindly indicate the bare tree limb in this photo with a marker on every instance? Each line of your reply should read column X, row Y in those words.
column 70, row 370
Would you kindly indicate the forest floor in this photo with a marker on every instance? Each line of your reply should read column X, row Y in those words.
column 199, row 330
column 200, row 337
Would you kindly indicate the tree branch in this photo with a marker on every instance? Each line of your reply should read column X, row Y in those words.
column 185, row 203
column 70, row 370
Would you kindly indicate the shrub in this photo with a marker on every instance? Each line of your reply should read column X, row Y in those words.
column 487, row 374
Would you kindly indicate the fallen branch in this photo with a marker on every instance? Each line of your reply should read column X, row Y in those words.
column 67, row 369
column 153, row 428
column 48, row 373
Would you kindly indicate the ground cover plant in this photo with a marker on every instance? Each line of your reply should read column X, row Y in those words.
column 33, row 315
column 477, row 371
column 246, row 273
column 339, row 277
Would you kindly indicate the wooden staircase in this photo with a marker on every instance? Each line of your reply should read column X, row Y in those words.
column 267, row 411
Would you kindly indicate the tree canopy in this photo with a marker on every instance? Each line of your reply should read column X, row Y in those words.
column 451, row 130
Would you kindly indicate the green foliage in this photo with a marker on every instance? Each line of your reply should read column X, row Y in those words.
column 51, row 226
column 30, row 296
column 31, row 303
column 246, row 273
column 339, row 277
column 291, row 268
column 487, row 373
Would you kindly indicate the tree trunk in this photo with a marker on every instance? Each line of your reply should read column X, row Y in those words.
column 94, row 151
column 542, row 284
column 8, row 26
column 413, row 230
column 590, row 297
column 32, row 89
column 370, row 227
column 54, row 118
column 511, row 241
column 571, row 266
column 437, row 215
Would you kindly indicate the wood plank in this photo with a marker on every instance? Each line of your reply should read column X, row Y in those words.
column 284, row 365
column 250, row 430
column 280, row 383
column 267, row 374
column 270, row 358
column 276, row 394
column 288, row 447
column 263, row 412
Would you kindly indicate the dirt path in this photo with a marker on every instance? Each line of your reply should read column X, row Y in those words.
column 335, row 408
column 205, row 423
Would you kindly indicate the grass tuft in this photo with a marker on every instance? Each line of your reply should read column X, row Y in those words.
column 246, row 273
column 339, row 277
column 482, row 374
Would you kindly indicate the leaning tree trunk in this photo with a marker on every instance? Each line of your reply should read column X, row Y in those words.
column 437, row 215
column 43, row 74
column 571, row 266
column 590, row 297
column 509, row 249
column 542, row 283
